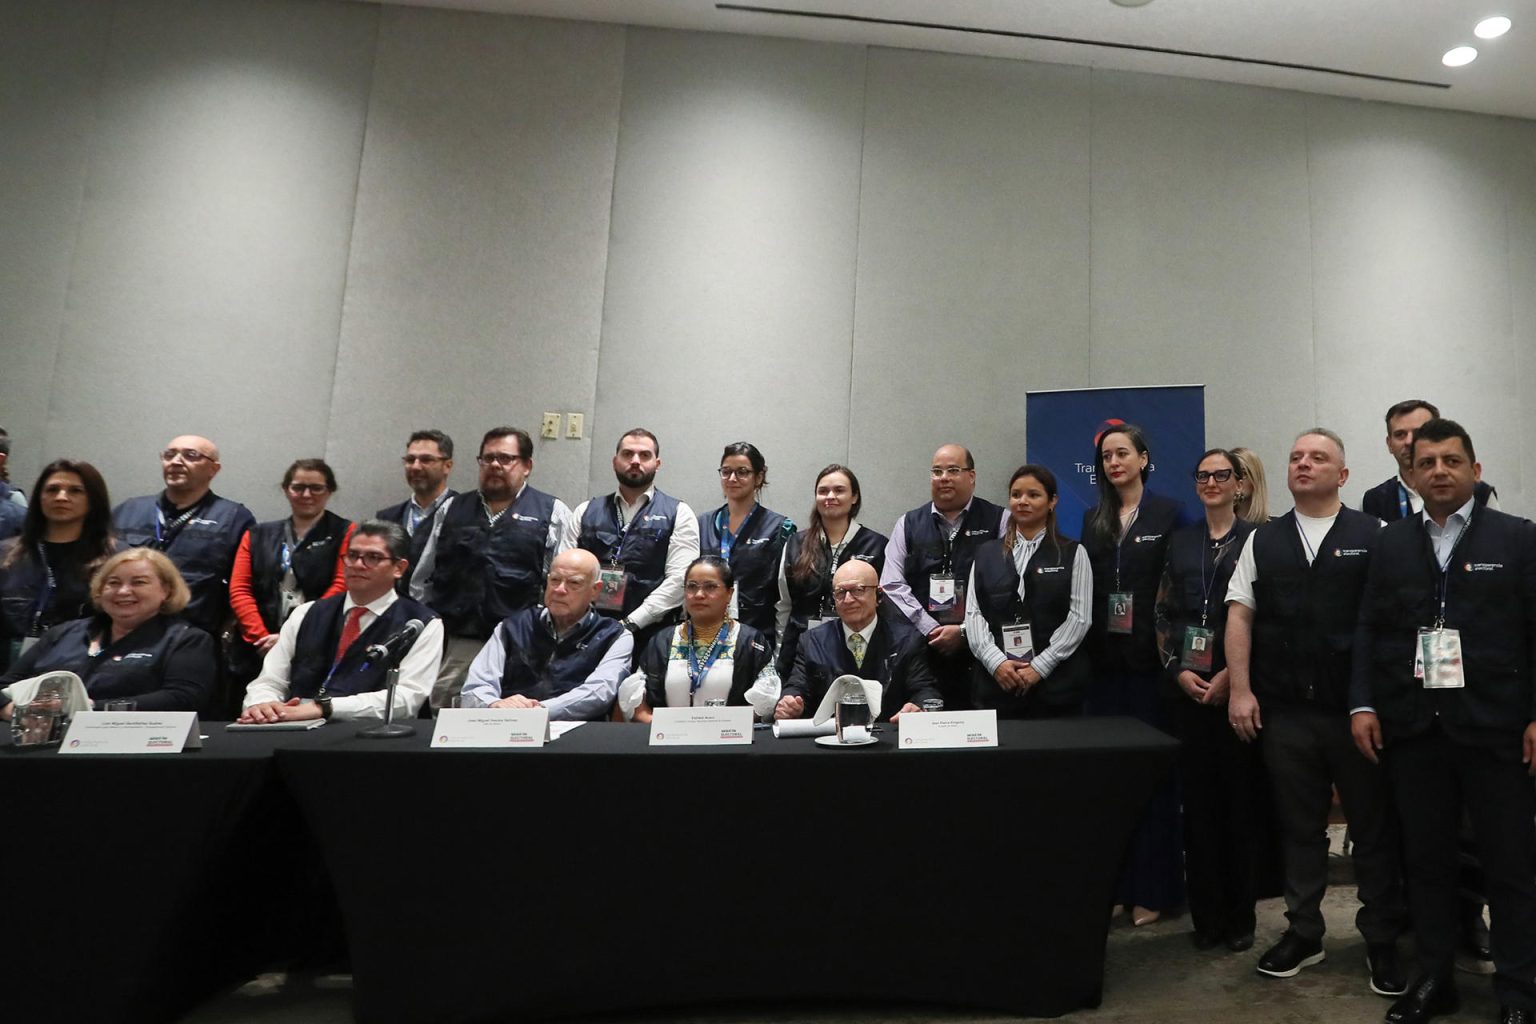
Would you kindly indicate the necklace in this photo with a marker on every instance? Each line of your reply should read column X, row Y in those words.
column 702, row 639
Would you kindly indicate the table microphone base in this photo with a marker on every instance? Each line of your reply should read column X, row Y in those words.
column 387, row 731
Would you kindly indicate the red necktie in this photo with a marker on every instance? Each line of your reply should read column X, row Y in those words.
column 351, row 631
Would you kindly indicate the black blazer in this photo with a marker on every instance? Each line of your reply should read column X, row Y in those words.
column 896, row 658
column 1382, row 501
column 166, row 664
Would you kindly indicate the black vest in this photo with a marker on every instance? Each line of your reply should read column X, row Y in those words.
column 1141, row 555
column 930, row 552
column 397, row 514
column 1385, row 500
column 1304, row 622
column 314, row 648
column 1047, row 599
column 484, row 573
column 203, row 549
column 314, row 562
column 754, row 562
column 1197, row 586
column 751, row 656
column 641, row 549
column 539, row 667
column 812, row 598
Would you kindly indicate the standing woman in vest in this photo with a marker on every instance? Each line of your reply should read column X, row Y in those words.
column 810, row 558
column 1126, row 535
column 748, row 536
column 1027, row 609
column 1225, row 793
column 45, row 573
column 284, row 563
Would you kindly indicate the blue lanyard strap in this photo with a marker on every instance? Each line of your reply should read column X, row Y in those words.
column 1404, row 506
column 696, row 672
column 1445, row 570
column 1206, row 585
column 723, row 527
column 624, row 525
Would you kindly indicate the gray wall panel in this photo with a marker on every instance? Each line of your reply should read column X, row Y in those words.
column 1516, row 491
column 973, row 265
column 474, row 294
column 729, row 308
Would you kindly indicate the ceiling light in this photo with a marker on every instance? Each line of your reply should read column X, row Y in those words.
column 1457, row 56
column 1491, row 28
column 1132, row 3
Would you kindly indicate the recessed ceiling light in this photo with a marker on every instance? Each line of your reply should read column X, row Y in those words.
column 1132, row 3
column 1457, row 56
column 1491, row 28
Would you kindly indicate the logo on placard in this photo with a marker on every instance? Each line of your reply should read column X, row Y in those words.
column 661, row 735
column 158, row 741
column 74, row 743
column 907, row 741
column 442, row 739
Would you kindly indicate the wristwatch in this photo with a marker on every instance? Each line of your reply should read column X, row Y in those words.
column 324, row 702
column 629, row 625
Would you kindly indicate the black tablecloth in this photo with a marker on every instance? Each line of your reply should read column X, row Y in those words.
column 599, row 874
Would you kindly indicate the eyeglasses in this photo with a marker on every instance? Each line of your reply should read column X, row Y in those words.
column 737, row 472
column 1221, row 476
column 568, row 582
column 372, row 559
column 852, row 590
column 191, row 456
column 307, row 488
column 425, row 460
column 710, row 587
column 497, row 459
column 940, row 472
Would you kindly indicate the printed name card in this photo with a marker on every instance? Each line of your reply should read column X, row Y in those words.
column 701, row 727
column 509, row 728
column 132, row 732
column 946, row 729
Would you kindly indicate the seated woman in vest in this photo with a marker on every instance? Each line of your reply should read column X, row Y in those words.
column 747, row 535
column 709, row 656
column 281, row 564
column 810, row 558
column 45, row 573
column 136, row 647
column 1028, row 607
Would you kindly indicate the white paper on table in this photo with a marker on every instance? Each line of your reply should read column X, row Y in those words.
column 791, row 728
column 558, row 729
column 828, row 706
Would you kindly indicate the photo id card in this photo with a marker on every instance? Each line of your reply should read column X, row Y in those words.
column 1199, row 649
column 946, row 599
column 1017, row 642
column 1120, row 608
column 611, row 597
column 1439, row 658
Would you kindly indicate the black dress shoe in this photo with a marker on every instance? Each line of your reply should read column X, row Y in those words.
column 1286, row 958
column 1428, row 998
column 1387, row 977
column 1474, row 954
column 1240, row 943
column 1516, row 1015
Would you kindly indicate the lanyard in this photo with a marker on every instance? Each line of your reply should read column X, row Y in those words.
column 1311, row 553
column 618, row 514
column 723, row 527
column 947, row 533
column 415, row 514
column 1135, row 515
column 1445, row 570
column 492, row 518
column 1206, row 585
column 1404, row 506
column 166, row 533
column 49, row 584
column 696, row 673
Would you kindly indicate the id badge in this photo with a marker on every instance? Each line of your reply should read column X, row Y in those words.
column 1440, row 650
column 1120, row 612
column 611, row 597
column 945, row 599
column 1017, row 642
column 1199, row 649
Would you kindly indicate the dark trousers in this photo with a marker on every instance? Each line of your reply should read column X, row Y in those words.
column 1308, row 752
column 953, row 674
column 1435, row 778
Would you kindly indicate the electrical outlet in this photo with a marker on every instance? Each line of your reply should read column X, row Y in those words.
column 551, row 429
column 574, row 421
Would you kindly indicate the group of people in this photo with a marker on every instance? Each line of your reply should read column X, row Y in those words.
column 1291, row 655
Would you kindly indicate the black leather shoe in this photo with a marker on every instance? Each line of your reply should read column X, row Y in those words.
column 1240, row 943
column 1286, row 958
column 1516, row 1015
column 1387, row 977
column 1474, row 954
column 1429, row 997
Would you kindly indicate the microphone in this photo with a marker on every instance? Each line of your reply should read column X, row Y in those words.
column 396, row 645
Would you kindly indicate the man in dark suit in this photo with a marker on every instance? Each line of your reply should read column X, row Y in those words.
column 864, row 643
column 1398, row 497
column 1443, row 694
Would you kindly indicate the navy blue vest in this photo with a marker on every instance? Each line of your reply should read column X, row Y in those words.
column 315, row 648
column 1304, row 622
column 397, row 514
column 929, row 553
column 642, row 549
column 1047, row 599
column 1141, row 555
column 314, row 562
column 484, row 573
column 754, row 562
column 203, row 549
column 539, row 667
column 1197, row 586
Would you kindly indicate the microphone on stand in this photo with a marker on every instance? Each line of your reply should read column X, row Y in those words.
column 389, row 653
column 396, row 646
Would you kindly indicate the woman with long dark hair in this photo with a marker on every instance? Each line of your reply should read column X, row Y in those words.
column 1126, row 535
column 749, row 536
column 811, row 557
column 45, row 572
column 1027, row 609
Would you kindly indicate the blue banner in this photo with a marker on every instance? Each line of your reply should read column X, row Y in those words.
column 1062, row 429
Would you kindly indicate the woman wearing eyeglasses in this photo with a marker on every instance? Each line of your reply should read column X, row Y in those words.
column 281, row 564
column 709, row 657
column 747, row 535
column 1223, row 778
column 1028, row 607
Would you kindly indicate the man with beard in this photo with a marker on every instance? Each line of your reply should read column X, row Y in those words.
column 643, row 539
column 488, row 553
column 428, row 461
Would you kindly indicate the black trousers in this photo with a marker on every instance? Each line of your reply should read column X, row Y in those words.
column 1434, row 779
column 1308, row 752
column 953, row 674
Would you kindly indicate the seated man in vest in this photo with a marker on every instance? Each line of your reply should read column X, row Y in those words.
column 198, row 530
column 319, row 667
column 561, row 655
column 428, row 461
column 864, row 643
column 1398, row 497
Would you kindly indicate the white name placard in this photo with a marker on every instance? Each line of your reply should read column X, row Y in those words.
column 132, row 732
column 946, row 729
column 510, row 728
column 701, row 727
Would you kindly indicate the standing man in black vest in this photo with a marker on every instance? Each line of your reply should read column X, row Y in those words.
column 1292, row 606
column 928, row 562
column 1397, row 497
column 1443, row 689
column 198, row 530
column 319, row 667
column 643, row 539
column 488, row 553
column 428, row 461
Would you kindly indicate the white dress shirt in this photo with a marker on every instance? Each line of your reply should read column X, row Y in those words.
column 1067, row 637
column 893, row 581
column 682, row 548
